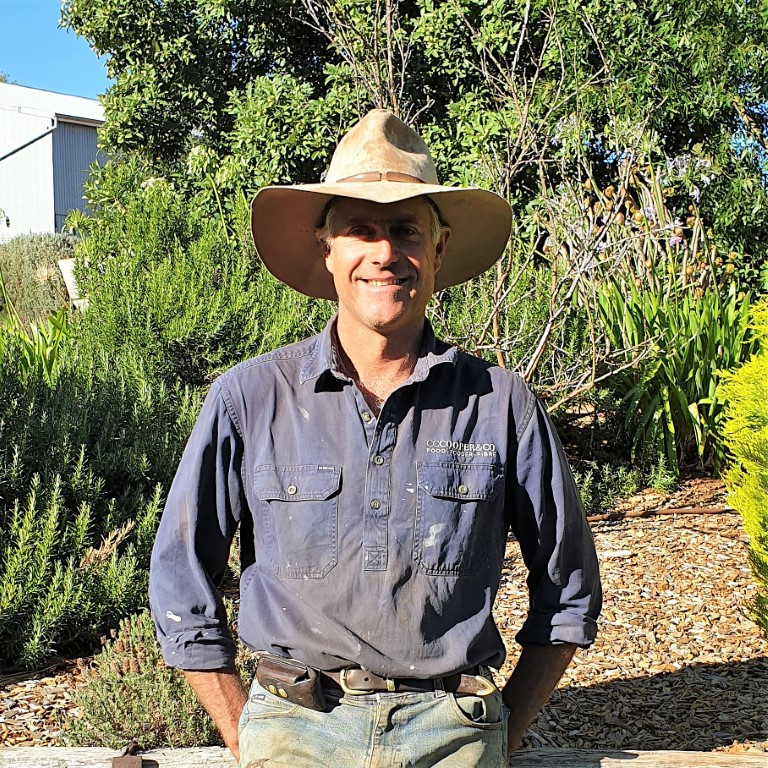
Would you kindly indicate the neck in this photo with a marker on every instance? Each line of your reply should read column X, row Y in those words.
column 377, row 363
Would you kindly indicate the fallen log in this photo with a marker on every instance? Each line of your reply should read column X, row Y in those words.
column 608, row 516
column 216, row 757
column 588, row 758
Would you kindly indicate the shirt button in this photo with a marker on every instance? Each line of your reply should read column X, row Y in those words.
column 366, row 417
column 463, row 490
column 292, row 489
column 375, row 504
column 378, row 460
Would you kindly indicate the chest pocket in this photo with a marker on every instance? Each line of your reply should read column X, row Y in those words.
column 454, row 515
column 299, row 516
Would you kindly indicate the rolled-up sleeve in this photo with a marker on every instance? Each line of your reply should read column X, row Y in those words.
column 555, row 540
column 191, row 551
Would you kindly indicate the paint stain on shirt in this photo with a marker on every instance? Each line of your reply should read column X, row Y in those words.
column 431, row 539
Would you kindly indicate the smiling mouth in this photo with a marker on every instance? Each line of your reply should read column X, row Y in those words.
column 383, row 283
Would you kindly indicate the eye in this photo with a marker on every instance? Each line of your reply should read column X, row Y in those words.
column 359, row 230
column 406, row 230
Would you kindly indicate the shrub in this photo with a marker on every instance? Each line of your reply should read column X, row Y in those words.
column 746, row 437
column 130, row 693
column 601, row 484
column 29, row 264
column 177, row 286
column 86, row 455
column 84, row 461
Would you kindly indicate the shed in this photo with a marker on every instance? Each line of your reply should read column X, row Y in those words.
column 47, row 144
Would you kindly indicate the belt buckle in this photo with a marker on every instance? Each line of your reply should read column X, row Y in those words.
column 488, row 686
column 347, row 690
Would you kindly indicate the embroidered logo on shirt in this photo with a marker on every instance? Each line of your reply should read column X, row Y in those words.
column 461, row 449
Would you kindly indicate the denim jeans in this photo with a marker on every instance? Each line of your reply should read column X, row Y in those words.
column 380, row 730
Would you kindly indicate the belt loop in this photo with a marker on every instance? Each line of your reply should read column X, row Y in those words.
column 439, row 687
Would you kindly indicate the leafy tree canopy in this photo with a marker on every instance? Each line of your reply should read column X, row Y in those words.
column 518, row 95
column 175, row 63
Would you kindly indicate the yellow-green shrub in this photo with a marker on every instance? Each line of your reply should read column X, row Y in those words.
column 746, row 436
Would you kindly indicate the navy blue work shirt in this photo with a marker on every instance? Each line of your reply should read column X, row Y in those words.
column 370, row 541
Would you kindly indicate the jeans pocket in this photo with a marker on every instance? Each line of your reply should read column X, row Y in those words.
column 262, row 704
column 299, row 512
column 484, row 712
column 452, row 500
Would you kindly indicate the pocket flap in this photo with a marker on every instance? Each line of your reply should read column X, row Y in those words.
column 463, row 482
column 305, row 482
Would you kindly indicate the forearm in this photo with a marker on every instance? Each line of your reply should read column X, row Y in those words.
column 222, row 694
column 536, row 675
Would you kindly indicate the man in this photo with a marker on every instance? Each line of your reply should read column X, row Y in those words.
column 374, row 472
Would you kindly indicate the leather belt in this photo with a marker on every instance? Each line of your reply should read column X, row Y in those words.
column 359, row 682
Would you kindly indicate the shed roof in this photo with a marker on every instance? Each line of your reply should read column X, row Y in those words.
column 72, row 109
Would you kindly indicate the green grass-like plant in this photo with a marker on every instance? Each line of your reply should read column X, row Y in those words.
column 688, row 338
column 746, row 437
column 37, row 346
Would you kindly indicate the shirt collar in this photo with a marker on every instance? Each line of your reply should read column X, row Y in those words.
column 324, row 358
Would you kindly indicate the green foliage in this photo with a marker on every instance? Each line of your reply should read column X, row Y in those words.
column 661, row 477
column 38, row 348
column 83, row 463
column 175, row 63
column 169, row 284
column 29, row 265
column 130, row 694
column 746, row 436
column 689, row 340
column 600, row 484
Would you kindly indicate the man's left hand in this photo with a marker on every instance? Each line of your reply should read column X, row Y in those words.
column 536, row 675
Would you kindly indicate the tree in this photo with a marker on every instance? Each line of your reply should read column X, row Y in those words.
column 609, row 126
column 175, row 64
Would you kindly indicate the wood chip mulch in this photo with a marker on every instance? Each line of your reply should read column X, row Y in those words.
column 678, row 664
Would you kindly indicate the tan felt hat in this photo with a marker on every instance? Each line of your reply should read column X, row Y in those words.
column 382, row 160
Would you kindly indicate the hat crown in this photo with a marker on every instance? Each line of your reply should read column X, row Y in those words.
column 381, row 143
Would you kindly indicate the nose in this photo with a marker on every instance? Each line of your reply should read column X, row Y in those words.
column 382, row 251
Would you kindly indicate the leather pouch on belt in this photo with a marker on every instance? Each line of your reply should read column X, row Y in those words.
column 291, row 680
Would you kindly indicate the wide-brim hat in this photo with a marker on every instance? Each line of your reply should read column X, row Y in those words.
column 381, row 160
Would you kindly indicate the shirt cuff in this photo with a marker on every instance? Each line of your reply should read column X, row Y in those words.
column 199, row 650
column 556, row 628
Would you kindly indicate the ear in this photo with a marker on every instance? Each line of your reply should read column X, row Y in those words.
column 326, row 248
column 441, row 247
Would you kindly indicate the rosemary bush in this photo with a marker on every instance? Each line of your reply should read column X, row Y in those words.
column 83, row 461
column 176, row 285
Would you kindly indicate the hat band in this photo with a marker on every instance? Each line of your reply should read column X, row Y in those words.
column 379, row 176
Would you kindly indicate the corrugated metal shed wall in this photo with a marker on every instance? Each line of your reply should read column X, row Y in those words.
column 74, row 149
column 26, row 178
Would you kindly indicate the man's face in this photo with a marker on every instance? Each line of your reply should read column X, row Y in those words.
column 383, row 261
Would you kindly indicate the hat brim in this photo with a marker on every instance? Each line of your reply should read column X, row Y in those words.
column 284, row 220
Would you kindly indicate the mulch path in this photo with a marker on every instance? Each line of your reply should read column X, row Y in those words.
column 678, row 664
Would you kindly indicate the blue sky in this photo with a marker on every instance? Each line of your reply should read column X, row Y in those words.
column 35, row 52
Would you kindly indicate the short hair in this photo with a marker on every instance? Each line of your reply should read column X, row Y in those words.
column 325, row 230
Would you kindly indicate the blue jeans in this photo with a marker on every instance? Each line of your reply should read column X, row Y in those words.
column 374, row 731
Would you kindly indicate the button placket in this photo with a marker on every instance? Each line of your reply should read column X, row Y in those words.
column 377, row 494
